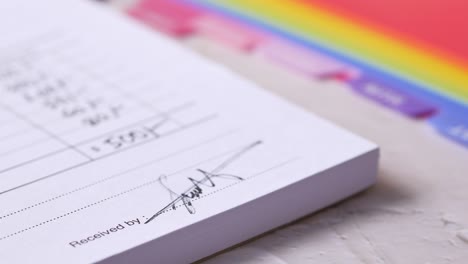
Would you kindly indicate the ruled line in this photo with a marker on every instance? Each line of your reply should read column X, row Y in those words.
column 88, row 140
column 187, row 126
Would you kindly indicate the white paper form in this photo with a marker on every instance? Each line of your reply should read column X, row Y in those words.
column 112, row 136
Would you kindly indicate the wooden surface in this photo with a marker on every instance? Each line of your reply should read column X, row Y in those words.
column 417, row 212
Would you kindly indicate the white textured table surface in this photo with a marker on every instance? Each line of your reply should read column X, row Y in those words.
column 417, row 212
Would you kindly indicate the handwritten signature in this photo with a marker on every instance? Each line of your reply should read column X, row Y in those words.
column 198, row 186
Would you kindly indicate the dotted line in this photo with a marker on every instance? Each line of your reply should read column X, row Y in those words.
column 131, row 190
column 58, row 197
column 172, row 208
column 248, row 178
column 232, row 184
column 97, row 182
column 199, row 197
column 79, row 209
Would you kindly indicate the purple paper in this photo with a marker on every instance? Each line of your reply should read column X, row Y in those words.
column 392, row 97
column 453, row 126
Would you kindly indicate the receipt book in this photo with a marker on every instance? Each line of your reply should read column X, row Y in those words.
column 118, row 145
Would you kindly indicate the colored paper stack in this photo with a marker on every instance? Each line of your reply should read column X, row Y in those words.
column 414, row 62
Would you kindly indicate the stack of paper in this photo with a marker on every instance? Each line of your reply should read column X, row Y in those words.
column 118, row 145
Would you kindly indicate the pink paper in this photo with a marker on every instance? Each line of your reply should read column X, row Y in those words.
column 229, row 32
column 306, row 61
column 168, row 16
